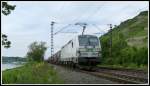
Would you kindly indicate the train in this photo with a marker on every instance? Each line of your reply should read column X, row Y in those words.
column 83, row 51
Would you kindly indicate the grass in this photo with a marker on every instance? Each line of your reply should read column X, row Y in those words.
column 31, row 73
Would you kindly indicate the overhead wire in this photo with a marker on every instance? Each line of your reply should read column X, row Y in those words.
column 126, row 7
column 80, row 17
column 62, row 29
column 77, row 19
column 92, row 15
column 74, row 20
column 95, row 24
column 107, row 17
column 98, row 28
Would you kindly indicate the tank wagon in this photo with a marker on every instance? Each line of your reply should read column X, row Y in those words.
column 83, row 50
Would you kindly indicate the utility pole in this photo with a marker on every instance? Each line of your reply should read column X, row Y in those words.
column 110, row 49
column 83, row 25
column 52, row 46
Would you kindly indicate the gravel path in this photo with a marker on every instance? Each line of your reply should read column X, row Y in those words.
column 73, row 77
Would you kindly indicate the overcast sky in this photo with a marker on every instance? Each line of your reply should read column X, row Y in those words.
column 30, row 21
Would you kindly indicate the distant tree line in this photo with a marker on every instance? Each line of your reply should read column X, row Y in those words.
column 6, row 59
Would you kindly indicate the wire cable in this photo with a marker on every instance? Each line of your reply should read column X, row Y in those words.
column 62, row 29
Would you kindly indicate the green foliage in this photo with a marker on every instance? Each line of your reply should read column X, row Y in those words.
column 31, row 73
column 123, row 54
column 6, row 8
column 119, row 43
column 142, row 55
column 144, row 13
column 5, row 42
column 36, row 51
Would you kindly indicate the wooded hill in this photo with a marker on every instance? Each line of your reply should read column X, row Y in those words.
column 129, row 43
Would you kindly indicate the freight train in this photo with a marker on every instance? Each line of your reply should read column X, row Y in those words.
column 83, row 51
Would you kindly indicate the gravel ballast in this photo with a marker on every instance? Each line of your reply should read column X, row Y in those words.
column 70, row 76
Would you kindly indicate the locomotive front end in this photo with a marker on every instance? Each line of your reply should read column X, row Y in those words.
column 89, row 52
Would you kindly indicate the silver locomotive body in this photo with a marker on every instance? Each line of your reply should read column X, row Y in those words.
column 82, row 50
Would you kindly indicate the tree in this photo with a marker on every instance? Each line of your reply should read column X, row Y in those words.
column 36, row 51
column 5, row 42
column 6, row 10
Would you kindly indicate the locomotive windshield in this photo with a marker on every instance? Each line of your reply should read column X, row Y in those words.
column 86, row 40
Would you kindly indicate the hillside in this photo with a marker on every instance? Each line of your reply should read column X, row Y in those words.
column 129, row 43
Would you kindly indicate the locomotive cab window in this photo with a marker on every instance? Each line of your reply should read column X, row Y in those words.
column 93, row 41
column 85, row 40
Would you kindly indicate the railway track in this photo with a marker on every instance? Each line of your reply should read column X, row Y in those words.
column 121, row 76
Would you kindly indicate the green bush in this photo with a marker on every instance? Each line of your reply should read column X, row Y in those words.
column 36, row 51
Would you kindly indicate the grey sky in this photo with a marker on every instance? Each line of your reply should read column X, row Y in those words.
column 30, row 21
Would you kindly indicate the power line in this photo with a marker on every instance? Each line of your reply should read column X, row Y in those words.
column 62, row 29
column 123, row 9
column 110, row 17
column 69, row 32
column 80, row 17
column 97, row 27
column 74, row 20
column 83, row 25
column 77, row 19
column 90, row 16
